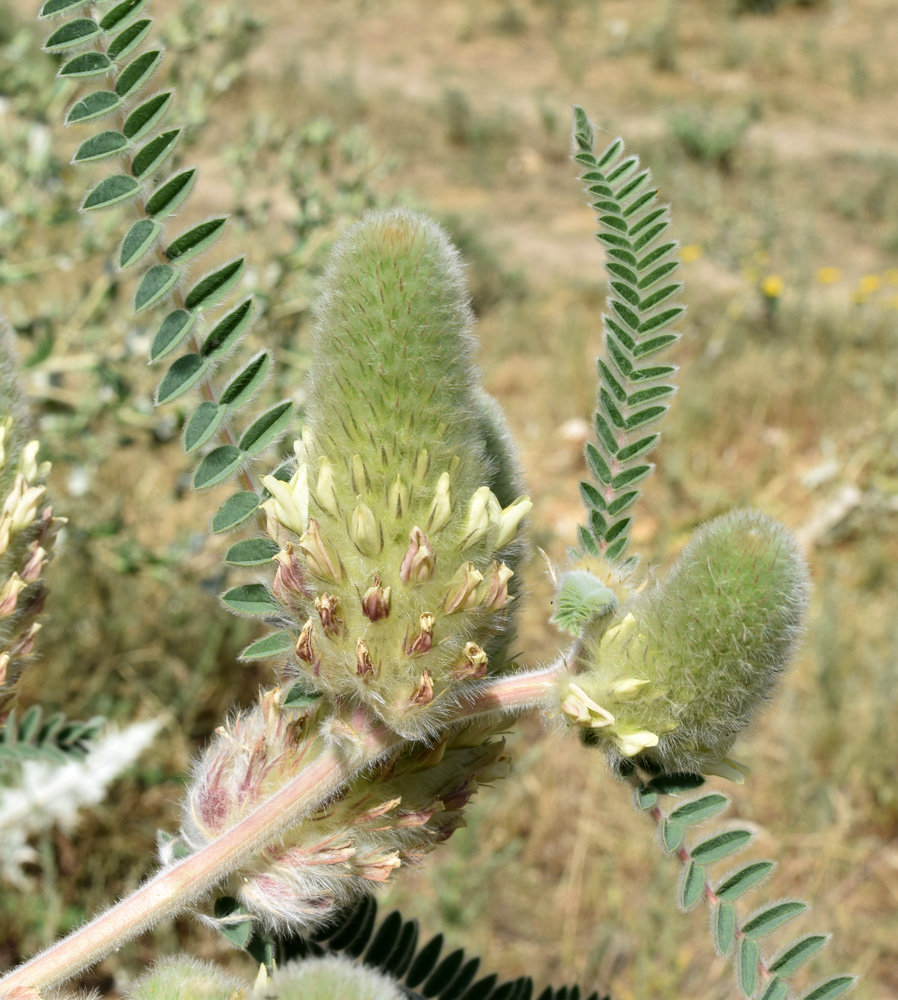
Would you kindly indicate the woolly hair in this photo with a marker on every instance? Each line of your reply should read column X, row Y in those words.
column 331, row 977
column 185, row 978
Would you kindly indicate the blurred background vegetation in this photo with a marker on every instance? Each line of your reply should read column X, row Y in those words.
column 771, row 128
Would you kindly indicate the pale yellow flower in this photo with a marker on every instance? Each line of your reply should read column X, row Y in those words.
column 828, row 275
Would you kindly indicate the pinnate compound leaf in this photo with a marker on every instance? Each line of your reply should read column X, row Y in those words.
column 772, row 917
column 277, row 644
column 54, row 8
column 121, row 14
column 150, row 157
column 747, row 965
column 146, row 115
column 250, row 599
column 698, row 810
column 137, row 72
column 743, row 880
column 86, row 64
column 831, row 988
column 693, row 885
column 720, row 846
column 794, row 957
column 169, row 196
column 172, row 331
column 157, row 282
column 235, row 510
column 676, row 784
column 183, row 375
column 74, row 32
column 244, row 384
column 93, row 105
column 196, row 240
column 267, row 428
column 100, row 146
column 251, row 552
column 224, row 336
column 110, row 191
column 128, row 39
column 204, row 422
column 138, row 240
column 213, row 287
column 220, row 463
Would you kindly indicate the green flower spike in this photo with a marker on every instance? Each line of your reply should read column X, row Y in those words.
column 684, row 666
column 404, row 509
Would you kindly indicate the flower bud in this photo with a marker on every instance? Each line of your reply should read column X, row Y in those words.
column 418, row 563
column 462, row 592
column 509, row 520
column 495, row 594
column 323, row 562
column 325, row 489
column 441, row 507
column 376, row 601
column 183, row 978
column 483, row 512
column 364, row 530
column 422, row 642
column 330, row 977
column 290, row 501
column 397, row 499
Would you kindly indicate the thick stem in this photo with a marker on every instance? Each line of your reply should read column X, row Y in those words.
column 181, row 884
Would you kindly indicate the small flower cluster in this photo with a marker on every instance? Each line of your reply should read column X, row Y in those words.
column 27, row 533
column 392, row 816
column 684, row 665
column 397, row 529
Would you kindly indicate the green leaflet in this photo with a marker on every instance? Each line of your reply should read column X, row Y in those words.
column 169, row 196
column 251, row 599
column 227, row 332
column 196, row 240
column 720, row 846
column 183, row 375
column 747, row 965
column 276, row 644
column 831, row 988
column 137, row 72
column 54, row 8
column 203, row 423
column 94, row 105
column 235, row 510
column 244, row 384
column 121, row 14
column 213, row 287
column 251, row 552
column 111, row 191
column 267, row 428
column 173, row 330
column 100, row 146
column 693, row 885
column 75, row 32
column 146, row 115
column 744, row 879
column 150, row 157
column 772, row 917
column 86, row 64
column 127, row 40
column 793, row 957
column 698, row 810
column 217, row 466
column 154, row 285
column 138, row 240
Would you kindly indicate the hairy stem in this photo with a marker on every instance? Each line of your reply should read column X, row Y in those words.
column 183, row 883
